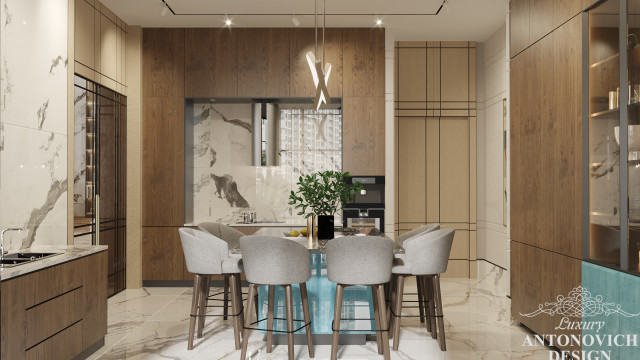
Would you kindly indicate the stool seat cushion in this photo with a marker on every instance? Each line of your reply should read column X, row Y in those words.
column 232, row 265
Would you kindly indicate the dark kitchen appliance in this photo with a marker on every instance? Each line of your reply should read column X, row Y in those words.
column 367, row 209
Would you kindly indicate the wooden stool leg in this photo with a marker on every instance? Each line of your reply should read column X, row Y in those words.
column 427, row 301
column 383, row 324
column 270, row 304
column 337, row 312
column 307, row 317
column 235, row 308
column 205, row 283
column 438, row 297
column 431, row 305
column 194, row 310
column 376, row 316
column 420, row 298
column 240, row 304
column 391, row 305
column 289, row 300
column 226, row 297
column 398, row 312
column 247, row 322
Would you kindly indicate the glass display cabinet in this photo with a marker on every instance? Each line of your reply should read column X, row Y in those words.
column 611, row 134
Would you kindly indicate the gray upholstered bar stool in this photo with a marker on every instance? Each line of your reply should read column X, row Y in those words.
column 232, row 237
column 422, row 298
column 207, row 255
column 275, row 262
column 361, row 260
column 426, row 257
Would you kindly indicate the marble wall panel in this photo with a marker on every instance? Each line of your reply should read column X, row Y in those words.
column 33, row 121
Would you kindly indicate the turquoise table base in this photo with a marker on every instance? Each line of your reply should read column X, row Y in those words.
column 357, row 304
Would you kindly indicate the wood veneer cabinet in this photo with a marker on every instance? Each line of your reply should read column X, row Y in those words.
column 55, row 313
column 100, row 45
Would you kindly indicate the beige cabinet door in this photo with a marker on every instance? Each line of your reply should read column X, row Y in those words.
column 454, row 70
column 411, row 170
column 454, row 170
column 412, row 74
column 109, row 48
column 84, row 30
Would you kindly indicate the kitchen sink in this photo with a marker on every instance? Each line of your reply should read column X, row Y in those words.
column 11, row 260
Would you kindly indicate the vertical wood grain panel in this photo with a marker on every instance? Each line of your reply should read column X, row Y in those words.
column 363, row 135
column 108, row 48
column 163, row 62
column 263, row 62
column 541, row 18
column 411, row 168
column 163, row 161
column 94, row 286
column 13, row 316
column 164, row 258
column 412, row 75
column 518, row 26
column 454, row 70
column 84, row 42
column 516, row 121
column 433, row 169
column 363, row 62
column 567, row 160
column 211, row 62
column 454, row 170
column 302, row 41
column 433, row 75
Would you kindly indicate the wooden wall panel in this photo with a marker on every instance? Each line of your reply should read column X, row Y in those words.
column 163, row 62
column 363, row 135
column 433, row 74
column 302, row 41
column 518, row 25
column 541, row 18
column 94, row 284
column 163, row 256
column 211, row 62
column 363, row 61
column 412, row 199
column 454, row 69
column 412, row 74
column 163, row 161
column 454, row 170
column 433, row 170
column 84, row 42
column 263, row 62
column 567, row 161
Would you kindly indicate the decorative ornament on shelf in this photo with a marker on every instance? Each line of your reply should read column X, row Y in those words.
column 319, row 72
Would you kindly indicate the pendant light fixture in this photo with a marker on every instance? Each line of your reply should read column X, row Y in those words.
column 319, row 69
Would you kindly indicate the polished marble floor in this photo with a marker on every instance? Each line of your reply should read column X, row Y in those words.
column 152, row 323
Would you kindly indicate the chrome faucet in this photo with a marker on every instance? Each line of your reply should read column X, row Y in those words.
column 2, row 250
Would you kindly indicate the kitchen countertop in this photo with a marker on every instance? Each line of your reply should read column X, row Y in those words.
column 67, row 253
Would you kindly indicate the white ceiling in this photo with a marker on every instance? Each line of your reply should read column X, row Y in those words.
column 472, row 20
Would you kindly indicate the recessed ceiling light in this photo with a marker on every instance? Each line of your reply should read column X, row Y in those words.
column 378, row 22
column 228, row 22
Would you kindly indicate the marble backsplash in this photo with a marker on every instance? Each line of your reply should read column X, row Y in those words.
column 220, row 181
column 33, row 121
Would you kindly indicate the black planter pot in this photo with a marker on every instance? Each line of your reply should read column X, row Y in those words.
column 325, row 227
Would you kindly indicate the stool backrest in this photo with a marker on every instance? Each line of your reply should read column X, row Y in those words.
column 359, row 260
column 428, row 253
column 203, row 252
column 269, row 260
column 417, row 231
column 224, row 232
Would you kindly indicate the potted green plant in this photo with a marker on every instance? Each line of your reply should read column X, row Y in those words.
column 324, row 193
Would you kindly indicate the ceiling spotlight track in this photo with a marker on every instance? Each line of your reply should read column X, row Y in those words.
column 444, row 2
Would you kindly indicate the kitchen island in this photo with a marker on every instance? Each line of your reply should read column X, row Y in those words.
column 56, row 307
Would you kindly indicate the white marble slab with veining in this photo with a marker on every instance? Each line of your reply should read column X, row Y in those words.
column 67, row 253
